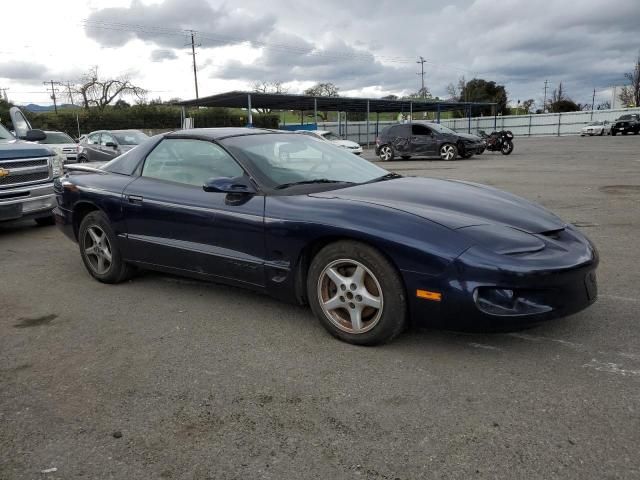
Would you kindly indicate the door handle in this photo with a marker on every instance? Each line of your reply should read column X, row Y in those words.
column 134, row 199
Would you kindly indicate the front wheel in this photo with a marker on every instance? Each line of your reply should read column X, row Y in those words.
column 99, row 250
column 356, row 294
column 448, row 152
column 507, row 148
column 386, row 153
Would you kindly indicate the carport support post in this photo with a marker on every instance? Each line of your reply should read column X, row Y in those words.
column 315, row 111
column 368, row 143
column 469, row 118
column 559, row 116
column 249, row 110
column 495, row 118
column 411, row 111
column 377, row 123
column 183, row 115
column 438, row 115
column 346, row 120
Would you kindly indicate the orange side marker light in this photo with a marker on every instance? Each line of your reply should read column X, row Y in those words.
column 428, row 295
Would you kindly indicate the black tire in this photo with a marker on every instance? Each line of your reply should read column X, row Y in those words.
column 448, row 151
column 386, row 153
column 405, row 157
column 625, row 132
column 82, row 159
column 507, row 148
column 467, row 155
column 118, row 270
column 613, row 133
column 386, row 322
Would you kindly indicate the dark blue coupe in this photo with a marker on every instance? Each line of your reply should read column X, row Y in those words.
column 305, row 221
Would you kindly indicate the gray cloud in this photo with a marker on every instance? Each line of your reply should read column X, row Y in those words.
column 585, row 46
column 19, row 70
column 162, row 54
column 166, row 23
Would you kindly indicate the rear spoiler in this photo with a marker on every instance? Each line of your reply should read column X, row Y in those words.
column 78, row 167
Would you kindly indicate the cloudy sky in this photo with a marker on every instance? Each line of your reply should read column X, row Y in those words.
column 365, row 47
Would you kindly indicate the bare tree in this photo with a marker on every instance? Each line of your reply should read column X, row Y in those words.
column 95, row 92
column 268, row 87
column 455, row 91
column 527, row 105
column 630, row 94
column 323, row 90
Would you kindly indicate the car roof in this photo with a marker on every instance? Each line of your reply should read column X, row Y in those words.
column 222, row 132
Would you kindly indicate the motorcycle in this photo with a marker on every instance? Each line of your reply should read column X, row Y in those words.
column 498, row 141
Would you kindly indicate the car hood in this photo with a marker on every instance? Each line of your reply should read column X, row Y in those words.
column 469, row 136
column 15, row 149
column 451, row 203
column 344, row 143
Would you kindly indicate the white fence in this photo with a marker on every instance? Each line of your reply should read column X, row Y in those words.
column 521, row 125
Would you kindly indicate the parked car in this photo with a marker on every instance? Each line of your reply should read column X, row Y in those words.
column 426, row 139
column 63, row 143
column 353, row 147
column 368, row 249
column 27, row 171
column 105, row 145
column 626, row 124
column 596, row 128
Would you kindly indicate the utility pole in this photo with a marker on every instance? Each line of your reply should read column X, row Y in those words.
column 53, row 92
column 593, row 99
column 544, row 102
column 422, row 62
column 193, row 54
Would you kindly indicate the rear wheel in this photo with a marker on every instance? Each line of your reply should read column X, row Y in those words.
column 386, row 153
column 507, row 148
column 99, row 250
column 356, row 294
column 448, row 152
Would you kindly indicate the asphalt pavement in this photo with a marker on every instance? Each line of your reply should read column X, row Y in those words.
column 168, row 378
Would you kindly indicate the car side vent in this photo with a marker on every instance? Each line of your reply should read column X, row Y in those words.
column 553, row 234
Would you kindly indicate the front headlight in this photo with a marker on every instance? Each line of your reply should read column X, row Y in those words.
column 502, row 239
column 57, row 165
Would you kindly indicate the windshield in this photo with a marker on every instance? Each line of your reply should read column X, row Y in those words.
column 131, row 137
column 441, row 128
column 5, row 135
column 595, row 124
column 57, row 137
column 283, row 159
column 330, row 136
column 625, row 117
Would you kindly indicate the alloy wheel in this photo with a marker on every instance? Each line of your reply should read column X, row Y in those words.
column 350, row 296
column 447, row 152
column 386, row 153
column 97, row 249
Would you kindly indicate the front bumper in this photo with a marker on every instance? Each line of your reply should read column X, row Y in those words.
column 31, row 201
column 540, row 289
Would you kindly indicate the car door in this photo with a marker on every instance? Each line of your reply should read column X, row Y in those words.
column 172, row 222
column 422, row 140
column 108, row 146
column 92, row 148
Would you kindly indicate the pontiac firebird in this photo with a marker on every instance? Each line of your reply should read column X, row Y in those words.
column 299, row 219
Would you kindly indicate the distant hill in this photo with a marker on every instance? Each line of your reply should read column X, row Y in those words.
column 32, row 107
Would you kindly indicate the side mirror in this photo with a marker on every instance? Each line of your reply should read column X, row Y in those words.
column 35, row 135
column 229, row 185
column 111, row 145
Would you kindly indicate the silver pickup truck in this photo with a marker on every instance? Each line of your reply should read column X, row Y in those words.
column 27, row 171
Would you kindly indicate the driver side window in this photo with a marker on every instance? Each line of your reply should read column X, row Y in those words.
column 106, row 138
column 420, row 130
column 189, row 161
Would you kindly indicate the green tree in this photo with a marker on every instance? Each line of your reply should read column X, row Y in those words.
column 630, row 94
column 480, row 90
column 323, row 90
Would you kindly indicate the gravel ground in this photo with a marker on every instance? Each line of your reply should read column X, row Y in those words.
column 163, row 377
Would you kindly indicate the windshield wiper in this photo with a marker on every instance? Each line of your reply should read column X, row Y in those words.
column 388, row 176
column 309, row 182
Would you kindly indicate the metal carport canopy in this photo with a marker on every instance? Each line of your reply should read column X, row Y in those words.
column 285, row 101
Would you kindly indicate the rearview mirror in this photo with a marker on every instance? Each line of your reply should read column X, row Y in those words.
column 229, row 185
column 35, row 135
column 111, row 144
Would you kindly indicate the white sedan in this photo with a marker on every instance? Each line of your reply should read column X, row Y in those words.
column 596, row 128
column 353, row 147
